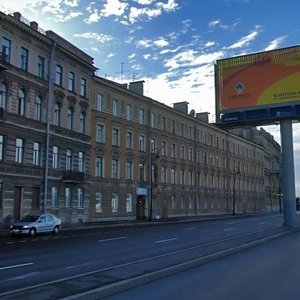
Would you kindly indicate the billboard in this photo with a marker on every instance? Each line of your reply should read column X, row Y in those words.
column 260, row 86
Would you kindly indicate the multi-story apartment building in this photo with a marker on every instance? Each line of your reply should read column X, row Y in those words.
column 86, row 148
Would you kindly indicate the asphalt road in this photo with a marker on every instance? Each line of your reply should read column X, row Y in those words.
column 112, row 255
column 268, row 271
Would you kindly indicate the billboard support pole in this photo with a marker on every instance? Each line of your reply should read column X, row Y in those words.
column 289, row 198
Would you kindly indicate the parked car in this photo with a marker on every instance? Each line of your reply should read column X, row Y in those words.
column 31, row 225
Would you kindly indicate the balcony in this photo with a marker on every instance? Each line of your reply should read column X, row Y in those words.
column 72, row 177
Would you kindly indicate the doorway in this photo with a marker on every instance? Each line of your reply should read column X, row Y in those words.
column 18, row 194
column 140, row 208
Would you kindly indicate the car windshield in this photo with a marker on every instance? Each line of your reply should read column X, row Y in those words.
column 29, row 218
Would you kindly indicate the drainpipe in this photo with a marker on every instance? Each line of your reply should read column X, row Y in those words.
column 49, row 97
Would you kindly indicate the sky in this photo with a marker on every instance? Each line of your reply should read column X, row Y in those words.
column 170, row 44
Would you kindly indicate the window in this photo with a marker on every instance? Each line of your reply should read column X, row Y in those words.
column 182, row 177
column 191, row 178
column 129, row 170
column 163, row 175
column 100, row 102
column 99, row 202
column 190, row 154
column 1, row 147
column 100, row 133
column 99, row 166
column 114, row 202
column 115, row 168
column 142, row 145
column 55, row 157
column 163, row 123
column 173, row 151
column 71, row 81
column 68, row 197
column 59, row 75
column 173, row 176
column 153, row 145
column 83, row 87
column 80, row 198
column 70, row 118
column 115, row 137
column 181, row 129
column 153, row 120
column 115, row 107
column 41, row 67
column 19, row 151
column 38, row 108
column 173, row 127
column 182, row 154
column 57, row 114
column 69, row 159
column 128, row 139
column 163, row 148
column 81, row 162
column 21, row 102
column 24, row 59
column 36, row 158
column 54, row 196
column 128, row 202
column 142, row 172
column 129, row 112
column 6, row 50
column 82, row 119
column 142, row 116
column 3, row 95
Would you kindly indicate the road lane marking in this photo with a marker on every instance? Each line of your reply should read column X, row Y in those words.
column 113, row 239
column 229, row 228
column 261, row 223
column 16, row 266
column 165, row 241
column 190, row 228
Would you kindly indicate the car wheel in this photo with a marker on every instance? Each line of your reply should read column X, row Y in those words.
column 56, row 230
column 32, row 232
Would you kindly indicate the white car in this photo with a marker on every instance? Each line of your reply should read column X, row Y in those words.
column 31, row 225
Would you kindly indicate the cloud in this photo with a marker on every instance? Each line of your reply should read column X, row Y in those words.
column 98, row 37
column 275, row 43
column 244, row 41
column 161, row 43
column 93, row 18
column 213, row 23
column 113, row 8
column 209, row 44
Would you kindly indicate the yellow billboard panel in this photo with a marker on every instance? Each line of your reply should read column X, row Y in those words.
column 266, row 78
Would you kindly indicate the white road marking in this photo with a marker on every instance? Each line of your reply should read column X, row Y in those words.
column 165, row 241
column 191, row 228
column 16, row 266
column 113, row 239
column 229, row 228
column 261, row 223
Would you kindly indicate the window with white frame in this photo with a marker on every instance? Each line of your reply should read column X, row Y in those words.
column 153, row 120
column 100, row 133
column 182, row 177
column 114, row 202
column 129, row 112
column 82, row 120
column 54, row 196
column 173, row 202
column 190, row 154
column 142, row 172
column 3, row 95
column 69, row 159
column 71, row 81
column 129, row 141
column 163, row 175
column 129, row 170
column 164, row 148
column 173, row 127
column 81, row 161
column 182, row 154
column 70, row 118
column 181, row 129
column 115, row 137
column 100, row 102
column 99, row 202
column 21, row 102
column 68, row 197
column 173, row 151
column 55, row 157
column 142, row 146
column 115, row 168
column 36, row 157
column 128, row 202
column 163, row 124
column 115, row 107
column 41, row 67
column 173, row 176
column 99, row 166
column 19, row 151
column 57, row 114
column 59, row 75
column 83, row 87
column 24, row 59
column 191, row 178
column 38, row 108
column 6, row 50
column 153, row 145
column 142, row 116
column 80, row 199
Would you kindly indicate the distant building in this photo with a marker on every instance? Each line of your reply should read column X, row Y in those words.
column 89, row 149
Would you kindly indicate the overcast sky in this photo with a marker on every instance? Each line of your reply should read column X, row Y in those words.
column 171, row 44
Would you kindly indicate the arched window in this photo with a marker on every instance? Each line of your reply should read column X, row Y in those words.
column 38, row 108
column 3, row 95
column 82, row 122
column 70, row 118
column 57, row 114
column 21, row 102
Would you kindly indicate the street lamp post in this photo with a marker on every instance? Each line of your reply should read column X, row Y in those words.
column 153, row 179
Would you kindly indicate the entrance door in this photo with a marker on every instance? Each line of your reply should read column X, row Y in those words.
column 140, row 208
column 17, row 202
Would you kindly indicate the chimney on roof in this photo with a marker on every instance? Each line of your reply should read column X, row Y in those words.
column 34, row 25
column 203, row 116
column 17, row 16
column 137, row 87
column 181, row 106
